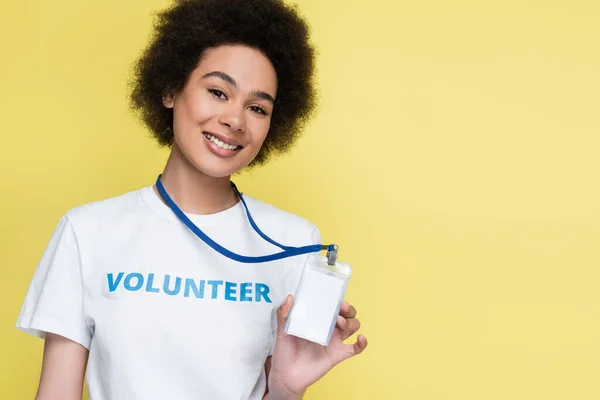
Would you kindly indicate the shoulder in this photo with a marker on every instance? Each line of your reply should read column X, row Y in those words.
column 272, row 214
column 107, row 211
column 281, row 222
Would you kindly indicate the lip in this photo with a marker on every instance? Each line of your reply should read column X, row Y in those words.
column 219, row 151
column 224, row 138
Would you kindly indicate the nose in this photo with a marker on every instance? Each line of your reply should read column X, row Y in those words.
column 233, row 117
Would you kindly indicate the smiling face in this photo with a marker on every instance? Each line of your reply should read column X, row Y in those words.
column 223, row 114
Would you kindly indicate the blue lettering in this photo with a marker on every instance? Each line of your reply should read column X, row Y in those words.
column 230, row 291
column 138, row 285
column 245, row 290
column 173, row 286
column 262, row 290
column 166, row 288
column 112, row 285
column 198, row 290
column 215, row 288
column 149, row 287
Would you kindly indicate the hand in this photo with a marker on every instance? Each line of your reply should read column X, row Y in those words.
column 298, row 363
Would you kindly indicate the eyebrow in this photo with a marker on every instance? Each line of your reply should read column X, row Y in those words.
column 227, row 78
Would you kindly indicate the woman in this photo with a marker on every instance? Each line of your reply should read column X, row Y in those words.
column 127, row 292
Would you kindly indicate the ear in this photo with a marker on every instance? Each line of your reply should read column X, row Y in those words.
column 168, row 101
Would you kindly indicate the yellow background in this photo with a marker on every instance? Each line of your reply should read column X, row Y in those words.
column 454, row 159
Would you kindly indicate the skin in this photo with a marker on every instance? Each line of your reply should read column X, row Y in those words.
column 230, row 95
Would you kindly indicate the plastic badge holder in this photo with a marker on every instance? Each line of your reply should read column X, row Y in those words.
column 318, row 300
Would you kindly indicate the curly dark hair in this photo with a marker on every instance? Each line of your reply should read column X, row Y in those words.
column 182, row 33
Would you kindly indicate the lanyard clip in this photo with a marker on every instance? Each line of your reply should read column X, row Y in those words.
column 332, row 254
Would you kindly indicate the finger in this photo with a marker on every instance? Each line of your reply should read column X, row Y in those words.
column 347, row 310
column 348, row 327
column 358, row 347
column 283, row 311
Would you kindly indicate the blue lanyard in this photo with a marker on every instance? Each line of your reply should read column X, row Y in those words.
column 288, row 251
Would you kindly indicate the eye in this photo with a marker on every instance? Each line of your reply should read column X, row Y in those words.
column 217, row 93
column 258, row 110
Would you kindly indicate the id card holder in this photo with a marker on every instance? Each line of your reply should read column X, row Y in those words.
column 318, row 300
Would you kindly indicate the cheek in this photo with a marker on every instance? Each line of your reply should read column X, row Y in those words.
column 195, row 110
column 259, row 129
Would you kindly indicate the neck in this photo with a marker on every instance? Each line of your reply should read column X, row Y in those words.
column 193, row 191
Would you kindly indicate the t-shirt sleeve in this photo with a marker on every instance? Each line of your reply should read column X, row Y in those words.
column 54, row 300
column 292, row 280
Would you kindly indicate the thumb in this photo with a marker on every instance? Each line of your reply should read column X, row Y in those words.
column 283, row 311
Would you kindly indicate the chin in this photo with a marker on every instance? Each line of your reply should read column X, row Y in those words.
column 218, row 168
column 216, row 171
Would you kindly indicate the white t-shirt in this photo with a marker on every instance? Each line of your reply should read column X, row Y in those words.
column 163, row 315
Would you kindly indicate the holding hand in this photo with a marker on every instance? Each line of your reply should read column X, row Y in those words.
column 298, row 363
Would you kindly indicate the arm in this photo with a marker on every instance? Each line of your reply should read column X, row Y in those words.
column 63, row 369
column 267, row 371
column 297, row 363
column 274, row 396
